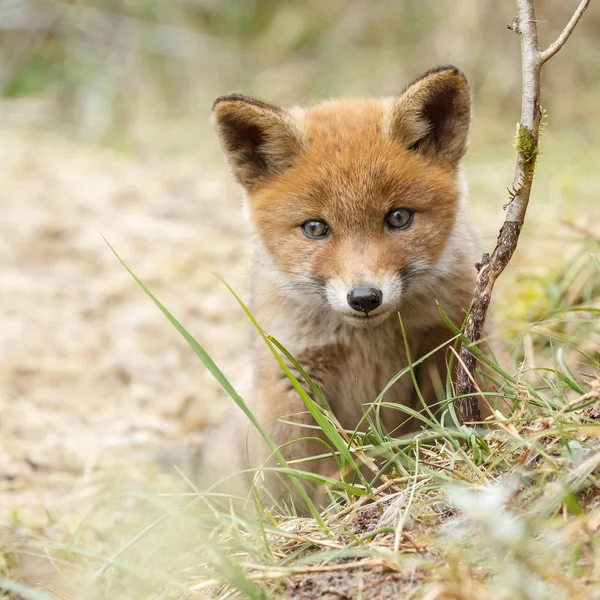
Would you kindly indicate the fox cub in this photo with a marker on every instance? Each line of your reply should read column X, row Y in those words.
column 358, row 213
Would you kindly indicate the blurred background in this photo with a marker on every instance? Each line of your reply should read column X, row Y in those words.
column 126, row 71
column 104, row 128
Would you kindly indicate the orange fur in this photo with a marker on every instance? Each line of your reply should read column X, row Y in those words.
column 349, row 163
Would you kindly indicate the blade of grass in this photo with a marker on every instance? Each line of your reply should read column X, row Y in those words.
column 328, row 428
column 24, row 592
column 223, row 381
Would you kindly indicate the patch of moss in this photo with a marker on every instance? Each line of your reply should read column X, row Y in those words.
column 527, row 147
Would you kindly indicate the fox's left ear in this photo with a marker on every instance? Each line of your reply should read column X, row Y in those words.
column 433, row 115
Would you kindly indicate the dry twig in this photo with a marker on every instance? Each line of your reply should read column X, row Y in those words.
column 490, row 267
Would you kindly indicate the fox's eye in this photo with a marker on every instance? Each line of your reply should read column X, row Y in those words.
column 315, row 229
column 399, row 218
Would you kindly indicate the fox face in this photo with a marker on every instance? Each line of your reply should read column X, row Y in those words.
column 354, row 203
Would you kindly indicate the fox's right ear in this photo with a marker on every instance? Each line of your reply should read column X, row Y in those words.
column 258, row 139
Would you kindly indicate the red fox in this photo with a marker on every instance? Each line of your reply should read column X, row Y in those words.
column 358, row 212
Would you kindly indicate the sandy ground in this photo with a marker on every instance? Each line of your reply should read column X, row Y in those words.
column 90, row 370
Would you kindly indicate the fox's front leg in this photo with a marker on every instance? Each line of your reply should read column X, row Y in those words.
column 283, row 415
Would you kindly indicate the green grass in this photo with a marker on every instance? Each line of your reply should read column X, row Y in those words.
column 509, row 510
column 498, row 527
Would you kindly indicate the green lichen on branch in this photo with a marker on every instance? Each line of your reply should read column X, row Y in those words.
column 527, row 147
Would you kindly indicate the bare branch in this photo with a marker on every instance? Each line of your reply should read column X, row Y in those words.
column 566, row 32
column 528, row 132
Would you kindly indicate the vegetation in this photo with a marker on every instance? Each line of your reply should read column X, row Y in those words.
column 118, row 71
column 507, row 510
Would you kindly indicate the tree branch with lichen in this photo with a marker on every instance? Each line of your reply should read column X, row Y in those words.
column 527, row 147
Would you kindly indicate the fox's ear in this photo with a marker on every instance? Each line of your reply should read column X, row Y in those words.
column 433, row 115
column 258, row 139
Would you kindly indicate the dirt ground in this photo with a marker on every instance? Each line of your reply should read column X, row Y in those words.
column 90, row 371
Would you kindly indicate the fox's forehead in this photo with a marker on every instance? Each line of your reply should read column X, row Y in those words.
column 349, row 160
column 343, row 120
column 356, row 182
column 347, row 143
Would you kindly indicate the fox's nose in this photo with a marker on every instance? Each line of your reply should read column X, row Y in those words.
column 365, row 299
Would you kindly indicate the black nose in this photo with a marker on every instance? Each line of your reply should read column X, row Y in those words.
column 365, row 299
